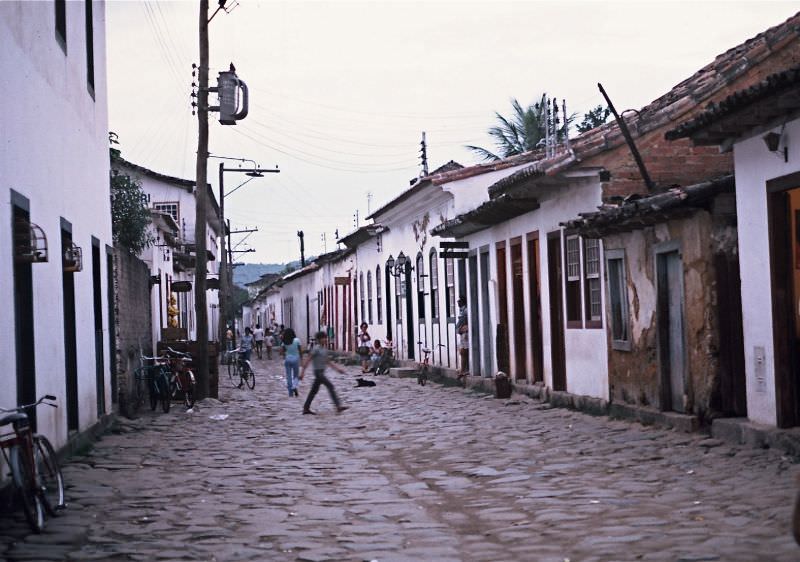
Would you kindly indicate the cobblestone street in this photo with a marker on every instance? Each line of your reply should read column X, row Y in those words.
column 409, row 473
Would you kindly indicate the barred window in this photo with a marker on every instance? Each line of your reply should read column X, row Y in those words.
column 378, row 295
column 421, row 286
column 450, row 288
column 591, row 250
column 434, row 267
column 618, row 299
column 573, row 259
column 361, row 294
column 369, row 296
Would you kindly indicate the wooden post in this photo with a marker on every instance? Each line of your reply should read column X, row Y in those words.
column 201, row 313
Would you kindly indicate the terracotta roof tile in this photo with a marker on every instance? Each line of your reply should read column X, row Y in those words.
column 774, row 84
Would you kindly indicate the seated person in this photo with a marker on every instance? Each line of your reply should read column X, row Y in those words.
column 375, row 355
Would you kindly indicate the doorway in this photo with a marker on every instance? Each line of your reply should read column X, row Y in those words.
column 555, row 280
column 97, row 301
column 518, row 310
column 23, row 305
column 412, row 341
column 474, row 328
column 503, row 330
column 535, row 288
column 670, row 327
column 70, row 332
column 784, row 241
column 486, row 321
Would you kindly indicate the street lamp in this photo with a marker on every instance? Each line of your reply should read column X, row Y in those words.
column 254, row 172
column 397, row 268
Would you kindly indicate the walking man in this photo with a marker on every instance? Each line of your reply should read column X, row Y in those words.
column 319, row 359
column 258, row 337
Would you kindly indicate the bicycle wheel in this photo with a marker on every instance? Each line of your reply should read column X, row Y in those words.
column 152, row 386
column 248, row 375
column 236, row 374
column 138, row 391
column 23, row 478
column 164, row 394
column 422, row 378
column 50, row 477
column 188, row 389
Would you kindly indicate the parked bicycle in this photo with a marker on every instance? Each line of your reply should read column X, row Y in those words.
column 35, row 473
column 150, row 380
column 424, row 366
column 240, row 371
column 182, row 383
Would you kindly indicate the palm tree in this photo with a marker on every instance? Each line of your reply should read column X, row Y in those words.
column 521, row 132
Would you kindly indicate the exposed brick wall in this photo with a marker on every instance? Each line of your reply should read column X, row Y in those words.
column 132, row 304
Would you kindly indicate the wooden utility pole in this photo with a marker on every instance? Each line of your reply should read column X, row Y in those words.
column 201, row 361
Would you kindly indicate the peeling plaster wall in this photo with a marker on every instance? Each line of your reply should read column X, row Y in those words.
column 634, row 375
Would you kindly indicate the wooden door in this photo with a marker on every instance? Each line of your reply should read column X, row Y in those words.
column 535, row 305
column 503, row 332
column 784, row 241
column 555, row 280
column 474, row 325
column 518, row 310
column 731, row 399
column 670, row 322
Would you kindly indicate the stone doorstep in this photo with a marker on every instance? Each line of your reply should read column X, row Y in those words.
column 741, row 431
column 650, row 416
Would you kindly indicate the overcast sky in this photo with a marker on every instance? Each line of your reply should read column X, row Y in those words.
column 341, row 92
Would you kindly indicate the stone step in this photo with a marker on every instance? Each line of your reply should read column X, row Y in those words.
column 402, row 372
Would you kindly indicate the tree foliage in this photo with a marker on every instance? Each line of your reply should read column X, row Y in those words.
column 594, row 118
column 523, row 130
column 130, row 215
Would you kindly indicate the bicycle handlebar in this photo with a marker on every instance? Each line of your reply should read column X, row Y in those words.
column 179, row 353
column 24, row 407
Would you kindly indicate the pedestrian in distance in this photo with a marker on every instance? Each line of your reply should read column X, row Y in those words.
column 268, row 342
column 291, row 350
column 462, row 329
column 318, row 357
column 246, row 344
column 258, row 338
column 364, row 341
column 229, row 338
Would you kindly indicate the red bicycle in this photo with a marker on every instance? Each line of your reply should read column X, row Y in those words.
column 32, row 460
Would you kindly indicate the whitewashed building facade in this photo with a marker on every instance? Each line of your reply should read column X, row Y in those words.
column 56, row 249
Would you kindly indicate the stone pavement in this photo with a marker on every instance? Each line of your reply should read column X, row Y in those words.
column 409, row 473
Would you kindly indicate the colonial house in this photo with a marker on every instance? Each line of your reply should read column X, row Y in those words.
column 57, row 250
column 760, row 124
column 557, row 303
column 171, row 257
column 416, row 283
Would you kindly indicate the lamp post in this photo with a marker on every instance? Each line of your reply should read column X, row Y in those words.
column 254, row 172
column 398, row 267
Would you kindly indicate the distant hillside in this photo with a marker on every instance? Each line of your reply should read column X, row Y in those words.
column 249, row 272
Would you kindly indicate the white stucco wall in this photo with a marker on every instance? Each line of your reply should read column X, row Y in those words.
column 754, row 166
column 586, row 349
column 54, row 152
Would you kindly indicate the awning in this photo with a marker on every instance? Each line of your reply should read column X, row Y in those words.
column 490, row 213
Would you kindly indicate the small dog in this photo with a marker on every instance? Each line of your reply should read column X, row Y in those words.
column 364, row 382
